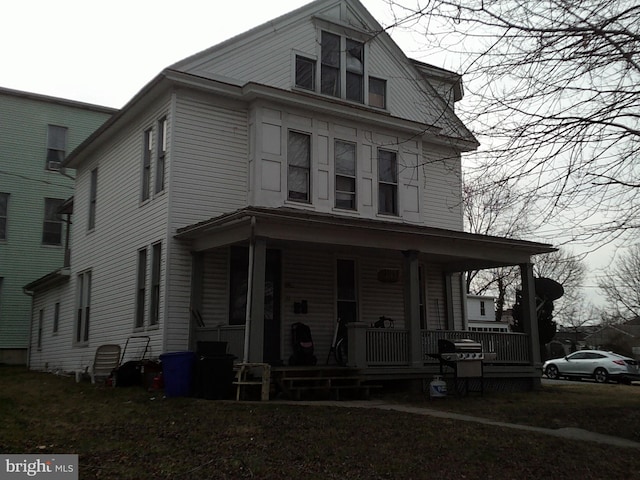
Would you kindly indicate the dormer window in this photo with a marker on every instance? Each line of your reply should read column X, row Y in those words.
column 330, row 68
column 355, row 71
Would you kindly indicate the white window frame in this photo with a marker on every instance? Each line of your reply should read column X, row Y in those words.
column 296, row 169
column 56, row 146
column 388, row 184
column 147, row 154
column 156, row 271
column 345, row 175
column 93, row 199
column 141, row 288
column 83, row 308
column 51, row 222
column 161, row 157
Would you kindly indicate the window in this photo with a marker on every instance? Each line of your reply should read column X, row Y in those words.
column 56, row 146
column 299, row 169
column 93, row 197
column 482, row 309
column 355, row 71
column 52, row 227
column 162, row 152
column 387, row 182
column 4, row 211
column 84, row 307
column 146, row 164
column 377, row 92
column 141, row 289
column 305, row 73
column 347, row 304
column 156, row 257
column 40, row 323
column 330, row 68
column 345, row 157
column 56, row 317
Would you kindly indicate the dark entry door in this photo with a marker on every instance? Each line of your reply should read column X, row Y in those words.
column 239, row 266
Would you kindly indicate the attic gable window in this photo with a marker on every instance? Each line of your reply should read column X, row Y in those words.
column 305, row 73
column 56, row 146
column 355, row 71
column 377, row 92
column 330, row 68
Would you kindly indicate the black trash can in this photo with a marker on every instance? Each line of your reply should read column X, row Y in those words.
column 213, row 371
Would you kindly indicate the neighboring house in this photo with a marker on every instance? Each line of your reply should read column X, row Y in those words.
column 481, row 315
column 36, row 132
column 303, row 171
column 623, row 338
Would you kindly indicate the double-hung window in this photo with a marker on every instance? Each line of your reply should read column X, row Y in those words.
column 156, row 262
column 347, row 299
column 4, row 213
column 377, row 92
column 355, row 70
column 345, row 163
column 299, row 167
column 162, row 153
column 305, row 73
column 84, row 307
column 40, row 325
column 141, row 288
column 387, row 182
column 56, row 146
column 52, row 225
column 146, row 163
column 330, row 64
column 93, row 199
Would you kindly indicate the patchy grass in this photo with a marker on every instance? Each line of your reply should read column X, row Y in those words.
column 129, row 434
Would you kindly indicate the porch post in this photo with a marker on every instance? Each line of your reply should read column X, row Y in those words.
column 412, row 307
column 529, row 314
column 448, row 291
column 256, row 332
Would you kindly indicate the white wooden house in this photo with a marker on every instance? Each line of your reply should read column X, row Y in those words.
column 308, row 162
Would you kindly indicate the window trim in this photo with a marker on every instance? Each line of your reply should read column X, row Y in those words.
column 54, row 150
column 384, row 93
column 311, row 61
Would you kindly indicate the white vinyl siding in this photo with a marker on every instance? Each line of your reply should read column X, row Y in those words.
column 442, row 193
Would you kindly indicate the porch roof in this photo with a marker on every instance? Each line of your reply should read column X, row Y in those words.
column 454, row 250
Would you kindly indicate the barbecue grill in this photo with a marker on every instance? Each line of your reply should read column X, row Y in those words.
column 465, row 357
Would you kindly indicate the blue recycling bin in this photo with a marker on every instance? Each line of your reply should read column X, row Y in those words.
column 177, row 373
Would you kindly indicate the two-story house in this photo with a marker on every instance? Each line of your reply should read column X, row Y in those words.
column 36, row 132
column 302, row 171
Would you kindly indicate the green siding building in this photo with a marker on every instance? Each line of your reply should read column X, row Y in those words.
column 36, row 132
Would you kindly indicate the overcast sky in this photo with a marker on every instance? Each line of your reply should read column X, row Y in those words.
column 105, row 52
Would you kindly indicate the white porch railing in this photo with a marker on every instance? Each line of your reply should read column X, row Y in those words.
column 390, row 346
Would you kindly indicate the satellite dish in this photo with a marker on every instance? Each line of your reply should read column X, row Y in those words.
column 548, row 289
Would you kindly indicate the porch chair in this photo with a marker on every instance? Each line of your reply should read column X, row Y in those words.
column 107, row 359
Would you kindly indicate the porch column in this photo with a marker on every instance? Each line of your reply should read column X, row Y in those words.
column 256, row 331
column 448, row 291
column 412, row 307
column 529, row 313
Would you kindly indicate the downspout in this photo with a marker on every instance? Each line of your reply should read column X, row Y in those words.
column 247, row 318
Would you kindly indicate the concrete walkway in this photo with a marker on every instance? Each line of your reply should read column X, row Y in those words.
column 567, row 433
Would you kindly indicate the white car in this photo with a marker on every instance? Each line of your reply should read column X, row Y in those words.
column 597, row 364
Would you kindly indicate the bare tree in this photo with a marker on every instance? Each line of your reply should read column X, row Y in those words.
column 553, row 94
column 621, row 286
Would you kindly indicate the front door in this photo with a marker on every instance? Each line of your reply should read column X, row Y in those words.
column 239, row 267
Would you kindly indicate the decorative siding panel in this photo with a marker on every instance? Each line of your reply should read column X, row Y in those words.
column 378, row 298
column 442, row 188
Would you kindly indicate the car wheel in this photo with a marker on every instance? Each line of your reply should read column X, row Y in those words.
column 552, row 372
column 600, row 375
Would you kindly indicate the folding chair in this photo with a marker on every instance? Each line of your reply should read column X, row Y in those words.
column 107, row 359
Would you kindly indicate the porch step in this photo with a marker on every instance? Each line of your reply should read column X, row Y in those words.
column 328, row 382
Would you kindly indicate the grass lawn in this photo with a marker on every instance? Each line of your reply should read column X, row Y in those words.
column 130, row 434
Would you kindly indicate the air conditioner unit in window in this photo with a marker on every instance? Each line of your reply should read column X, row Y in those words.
column 53, row 165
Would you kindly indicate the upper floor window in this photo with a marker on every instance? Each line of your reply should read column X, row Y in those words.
column 93, row 198
column 483, row 310
column 305, row 73
column 330, row 64
column 299, row 167
column 162, row 152
column 387, row 182
column 56, row 146
column 52, row 225
column 377, row 92
column 146, row 164
column 345, row 156
column 355, row 70
column 4, row 212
